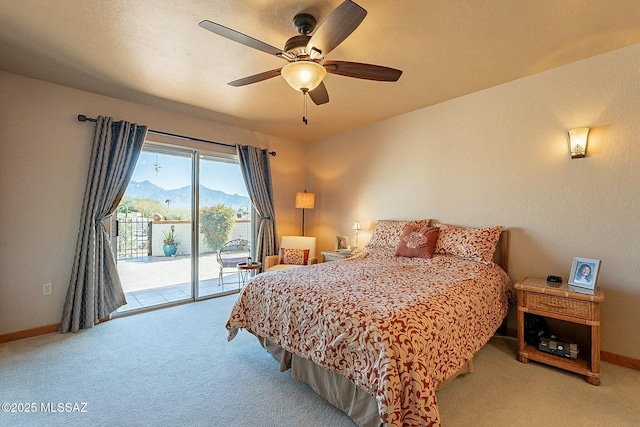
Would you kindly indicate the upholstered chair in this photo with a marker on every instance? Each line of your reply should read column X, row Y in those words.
column 293, row 253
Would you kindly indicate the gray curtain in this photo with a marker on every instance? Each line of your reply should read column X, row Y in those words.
column 256, row 171
column 95, row 290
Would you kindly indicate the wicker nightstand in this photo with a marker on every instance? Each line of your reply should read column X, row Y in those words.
column 536, row 296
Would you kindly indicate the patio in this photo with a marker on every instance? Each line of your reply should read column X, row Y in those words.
column 149, row 281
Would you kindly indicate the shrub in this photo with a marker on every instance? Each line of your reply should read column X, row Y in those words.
column 216, row 225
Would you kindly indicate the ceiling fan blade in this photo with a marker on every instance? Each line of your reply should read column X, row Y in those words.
column 319, row 95
column 362, row 71
column 244, row 39
column 341, row 22
column 255, row 78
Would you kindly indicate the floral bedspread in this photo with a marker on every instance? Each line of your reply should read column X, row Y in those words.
column 394, row 326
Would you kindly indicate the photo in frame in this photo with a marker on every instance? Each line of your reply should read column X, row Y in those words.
column 342, row 243
column 584, row 274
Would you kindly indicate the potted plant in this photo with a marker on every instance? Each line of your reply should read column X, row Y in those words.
column 170, row 244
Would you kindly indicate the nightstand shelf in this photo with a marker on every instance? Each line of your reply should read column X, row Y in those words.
column 531, row 352
column 554, row 301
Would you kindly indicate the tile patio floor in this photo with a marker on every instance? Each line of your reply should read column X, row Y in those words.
column 151, row 281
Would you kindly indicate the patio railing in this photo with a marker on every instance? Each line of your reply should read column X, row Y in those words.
column 134, row 236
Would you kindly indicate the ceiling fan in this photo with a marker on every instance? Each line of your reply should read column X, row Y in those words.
column 306, row 53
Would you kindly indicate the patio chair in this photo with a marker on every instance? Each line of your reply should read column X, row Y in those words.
column 232, row 253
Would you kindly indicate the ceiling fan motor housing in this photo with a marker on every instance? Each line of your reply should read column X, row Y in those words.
column 304, row 23
column 297, row 45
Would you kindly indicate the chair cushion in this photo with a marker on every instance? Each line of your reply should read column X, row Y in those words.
column 294, row 256
column 299, row 242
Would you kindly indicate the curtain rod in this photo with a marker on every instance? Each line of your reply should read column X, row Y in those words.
column 83, row 118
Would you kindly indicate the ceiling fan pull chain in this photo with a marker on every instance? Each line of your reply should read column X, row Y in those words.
column 304, row 108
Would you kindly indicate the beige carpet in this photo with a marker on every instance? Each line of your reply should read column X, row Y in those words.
column 504, row 392
column 174, row 367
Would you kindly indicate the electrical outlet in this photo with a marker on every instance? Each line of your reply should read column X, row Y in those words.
column 47, row 288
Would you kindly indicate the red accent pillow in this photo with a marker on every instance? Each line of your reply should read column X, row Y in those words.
column 294, row 256
column 418, row 241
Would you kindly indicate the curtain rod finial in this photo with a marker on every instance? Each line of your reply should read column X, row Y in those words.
column 82, row 118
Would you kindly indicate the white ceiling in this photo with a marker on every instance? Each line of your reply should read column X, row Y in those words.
column 154, row 52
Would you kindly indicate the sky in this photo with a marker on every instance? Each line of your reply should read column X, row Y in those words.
column 171, row 172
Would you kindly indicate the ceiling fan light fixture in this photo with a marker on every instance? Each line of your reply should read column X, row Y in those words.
column 303, row 76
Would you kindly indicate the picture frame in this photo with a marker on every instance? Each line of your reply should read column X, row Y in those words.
column 342, row 243
column 584, row 273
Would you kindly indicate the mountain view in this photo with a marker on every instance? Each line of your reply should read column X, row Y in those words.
column 181, row 197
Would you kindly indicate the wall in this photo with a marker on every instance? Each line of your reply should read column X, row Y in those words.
column 44, row 154
column 494, row 157
column 500, row 156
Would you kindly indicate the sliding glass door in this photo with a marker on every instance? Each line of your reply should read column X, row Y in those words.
column 179, row 203
column 225, row 224
column 154, row 229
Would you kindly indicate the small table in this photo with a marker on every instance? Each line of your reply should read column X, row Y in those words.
column 247, row 271
column 556, row 301
column 335, row 255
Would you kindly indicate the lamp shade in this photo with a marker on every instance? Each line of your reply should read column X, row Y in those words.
column 303, row 76
column 305, row 200
column 578, row 142
column 356, row 226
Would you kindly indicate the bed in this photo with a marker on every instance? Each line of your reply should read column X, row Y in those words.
column 378, row 333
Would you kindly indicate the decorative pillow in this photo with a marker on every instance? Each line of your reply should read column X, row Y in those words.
column 477, row 244
column 294, row 256
column 417, row 241
column 387, row 232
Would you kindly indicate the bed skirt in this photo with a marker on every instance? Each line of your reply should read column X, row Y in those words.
column 357, row 403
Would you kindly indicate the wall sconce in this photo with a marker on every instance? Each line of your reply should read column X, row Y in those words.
column 578, row 142
column 305, row 201
column 357, row 227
